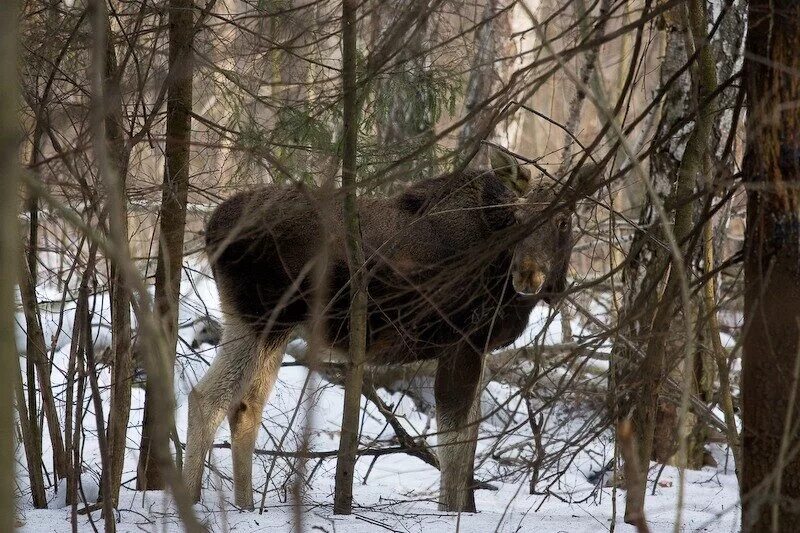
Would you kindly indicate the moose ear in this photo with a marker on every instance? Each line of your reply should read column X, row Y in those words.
column 506, row 167
column 587, row 179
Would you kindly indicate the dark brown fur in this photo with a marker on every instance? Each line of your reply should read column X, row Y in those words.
column 454, row 266
column 438, row 274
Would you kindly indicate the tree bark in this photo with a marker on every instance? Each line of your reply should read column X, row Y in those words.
column 37, row 353
column 409, row 118
column 670, row 338
column 771, row 347
column 173, row 215
column 33, row 449
column 482, row 73
column 9, row 169
column 348, row 443
column 122, row 366
column 647, row 262
column 102, row 442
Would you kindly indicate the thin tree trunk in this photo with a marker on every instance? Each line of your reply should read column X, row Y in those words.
column 662, row 354
column 696, row 162
column 32, row 206
column 718, row 351
column 771, row 469
column 73, row 402
column 32, row 351
column 80, row 371
column 572, row 125
column 105, row 473
column 410, row 115
column 37, row 352
column 31, row 436
column 348, row 443
column 122, row 367
column 9, row 169
column 33, row 450
column 635, row 476
column 481, row 78
column 587, row 73
column 173, row 215
column 647, row 262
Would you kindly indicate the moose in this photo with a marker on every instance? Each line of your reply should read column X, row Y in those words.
column 454, row 266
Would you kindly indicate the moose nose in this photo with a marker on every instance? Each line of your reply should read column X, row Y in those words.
column 528, row 282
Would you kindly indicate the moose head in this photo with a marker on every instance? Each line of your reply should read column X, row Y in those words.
column 543, row 214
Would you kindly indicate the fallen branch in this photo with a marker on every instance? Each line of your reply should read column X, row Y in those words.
column 408, row 444
column 413, row 447
column 317, row 455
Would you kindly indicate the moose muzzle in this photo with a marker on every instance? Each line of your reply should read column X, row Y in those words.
column 528, row 279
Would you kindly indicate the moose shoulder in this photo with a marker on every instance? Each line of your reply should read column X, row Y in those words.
column 455, row 265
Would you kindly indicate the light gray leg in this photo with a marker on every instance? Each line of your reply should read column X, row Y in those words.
column 457, row 413
column 245, row 421
column 211, row 398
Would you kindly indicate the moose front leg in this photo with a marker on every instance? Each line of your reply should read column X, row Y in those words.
column 458, row 378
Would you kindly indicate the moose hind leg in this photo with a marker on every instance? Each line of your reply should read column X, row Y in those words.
column 245, row 420
column 457, row 413
column 211, row 398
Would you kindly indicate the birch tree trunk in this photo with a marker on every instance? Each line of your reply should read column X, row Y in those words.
column 9, row 169
column 348, row 443
column 409, row 117
column 771, row 470
column 481, row 78
column 671, row 334
column 172, row 217
column 647, row 261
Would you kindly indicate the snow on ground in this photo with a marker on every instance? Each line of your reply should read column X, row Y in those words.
column 401, row 502
column 393, row 492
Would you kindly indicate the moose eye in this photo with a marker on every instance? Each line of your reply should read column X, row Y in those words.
column 563, row 224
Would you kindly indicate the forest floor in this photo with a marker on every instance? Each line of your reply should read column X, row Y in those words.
column 393, row 492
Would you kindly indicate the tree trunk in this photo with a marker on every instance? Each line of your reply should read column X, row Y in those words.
column 172, row 216
column 409, row 96
column 771, row 469
column 482, row 74
column 122, row 366
column 647, row 261
column 9, row 169
column 587, row 78
column 91, row 364
column 348, row 443
column 30, row 442
column 31, row 350
column 37, row 352
column 672, row 334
